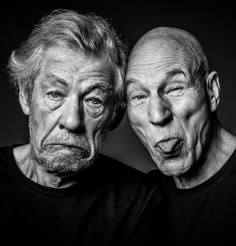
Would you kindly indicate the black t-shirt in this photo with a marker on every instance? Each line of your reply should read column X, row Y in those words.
column 103, row 208
column 205, row 214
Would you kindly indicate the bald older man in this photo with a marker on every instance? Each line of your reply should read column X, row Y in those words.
column 172, row 101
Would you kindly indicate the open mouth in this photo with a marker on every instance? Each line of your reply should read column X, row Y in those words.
column 169, row 148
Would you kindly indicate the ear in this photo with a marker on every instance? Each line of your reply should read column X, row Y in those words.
column 213, row 90
column 24, row 101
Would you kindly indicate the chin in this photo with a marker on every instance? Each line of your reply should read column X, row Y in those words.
column 174, row 168
column 63, row 163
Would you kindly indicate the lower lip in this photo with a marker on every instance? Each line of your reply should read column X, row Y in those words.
column 58, row 147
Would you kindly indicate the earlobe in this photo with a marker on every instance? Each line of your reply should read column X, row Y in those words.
column 213, row 90
column 24, row 101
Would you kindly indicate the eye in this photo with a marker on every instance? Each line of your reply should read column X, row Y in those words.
column 94, row 101
column 175, row 91
column 137, row 98
column 55, row 95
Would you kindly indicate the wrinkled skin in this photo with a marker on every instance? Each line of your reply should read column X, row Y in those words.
column 69, row 111
column 170, row 113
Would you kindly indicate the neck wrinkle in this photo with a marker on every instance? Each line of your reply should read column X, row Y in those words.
column 221, row 146
column 37, row 173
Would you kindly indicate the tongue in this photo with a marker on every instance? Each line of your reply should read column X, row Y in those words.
column 168, row 146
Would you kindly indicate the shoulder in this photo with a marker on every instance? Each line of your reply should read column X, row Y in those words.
column 118, row 168
column 156, row 177
column 120, row 173
column 127, row 180
column 131, row 185
column 6, row 162
column 6, row 153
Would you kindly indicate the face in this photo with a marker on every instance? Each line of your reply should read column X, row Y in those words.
column 169, row 114
column 69, row 111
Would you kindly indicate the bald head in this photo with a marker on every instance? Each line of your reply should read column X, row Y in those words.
column 172, row 42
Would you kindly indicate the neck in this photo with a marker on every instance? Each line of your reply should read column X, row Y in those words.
column 32, row 170
column 221, row 146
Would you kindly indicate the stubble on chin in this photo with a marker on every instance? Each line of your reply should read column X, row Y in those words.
column 53, row 159
column 62, row 163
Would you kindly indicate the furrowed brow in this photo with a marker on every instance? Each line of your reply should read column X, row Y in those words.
column 105, row 87
column 55, row 80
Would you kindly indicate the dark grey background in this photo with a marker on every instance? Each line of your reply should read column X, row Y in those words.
column 213, row 25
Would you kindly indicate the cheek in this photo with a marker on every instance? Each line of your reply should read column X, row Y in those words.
column 41, row 122
column 194, row 119
column 36, row 119
column 140, row 124
column 137, row 116
column 96, row 125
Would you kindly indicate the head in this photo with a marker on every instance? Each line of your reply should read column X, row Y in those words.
column 69, row 76
column 172, row 98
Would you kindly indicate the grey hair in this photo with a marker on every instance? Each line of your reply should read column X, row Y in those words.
column 88, row 33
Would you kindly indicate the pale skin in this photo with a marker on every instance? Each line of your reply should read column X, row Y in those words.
column 68, row 117
column 172, row 115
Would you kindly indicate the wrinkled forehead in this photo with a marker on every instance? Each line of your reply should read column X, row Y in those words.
column 159, row 53
column 70, row 63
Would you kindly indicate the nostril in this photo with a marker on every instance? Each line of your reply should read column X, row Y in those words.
column 159, row 113
column 61, row 126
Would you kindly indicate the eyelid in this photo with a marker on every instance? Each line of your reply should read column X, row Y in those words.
column 175, row 90
column 175, row 84
column 59, row 93
column 95, row 105
column 136, row 91
column 94, row 97
column 176, row 87
column 138, row 95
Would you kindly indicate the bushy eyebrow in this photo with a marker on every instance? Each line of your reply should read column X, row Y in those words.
column 104, row 87
column 99, row 85
column 55, row 80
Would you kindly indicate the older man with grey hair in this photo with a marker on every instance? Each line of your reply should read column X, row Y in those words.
column 172, row 101
column 57, row 189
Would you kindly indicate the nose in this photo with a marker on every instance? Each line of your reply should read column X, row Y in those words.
column 72, row 117
column 159, row 111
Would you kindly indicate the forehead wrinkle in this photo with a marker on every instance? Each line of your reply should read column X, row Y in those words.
column 55, row 70
column 100, row 85
column 94, row 76
column 55, row 80
column 70, row 61
column 151, row 57
column 177, row 43
column 163, row 65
